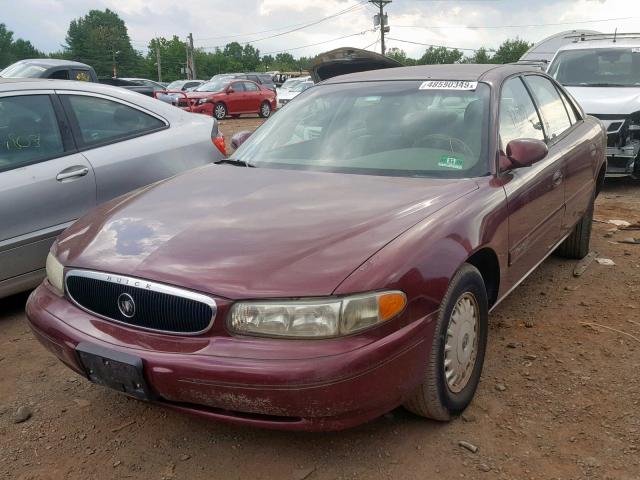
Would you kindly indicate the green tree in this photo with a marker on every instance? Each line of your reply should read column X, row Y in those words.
column 11, row 51
column 101, row 40
column 480, row 56
column 172, row 58
column 250, row 58
column 400, row 55
column 438, row 55
column 511, row 50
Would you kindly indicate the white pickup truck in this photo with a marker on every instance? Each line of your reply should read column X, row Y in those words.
column 602, row 72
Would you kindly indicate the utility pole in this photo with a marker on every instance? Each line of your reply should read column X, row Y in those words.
column 187, row 65
column 382, row 19
column 192, row 63
column 158, row 60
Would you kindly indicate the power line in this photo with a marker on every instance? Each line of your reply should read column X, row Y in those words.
column 319, row 43
column 440, row 46
column 478, row 27
column 304, row 24
column 342, row 12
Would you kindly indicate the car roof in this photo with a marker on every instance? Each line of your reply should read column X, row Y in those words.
column 466, row 72
column 144, row 101
column 53, row 62
column 595, row 43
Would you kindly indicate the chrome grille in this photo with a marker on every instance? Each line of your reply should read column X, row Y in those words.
column 140, row 303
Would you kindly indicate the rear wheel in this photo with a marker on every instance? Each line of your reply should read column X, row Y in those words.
column 265, row 109
column 457, row 353
column 220, row 111
column 576, row 245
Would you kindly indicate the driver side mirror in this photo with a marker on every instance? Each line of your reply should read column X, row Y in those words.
column 239, row 138
column 230, row 90
column 524, row 152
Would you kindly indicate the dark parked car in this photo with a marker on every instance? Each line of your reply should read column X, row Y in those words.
column 50, row 68
column 229, row 96
column 129, row 85
column 351, row 271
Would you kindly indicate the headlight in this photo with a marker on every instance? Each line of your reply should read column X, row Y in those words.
column 202, row 100
column 55, row 272
column 315, row 318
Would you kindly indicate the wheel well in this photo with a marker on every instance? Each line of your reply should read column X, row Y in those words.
column 486, row 261
column 600, row 179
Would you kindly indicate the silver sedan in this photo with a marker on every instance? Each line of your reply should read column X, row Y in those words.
column 66, row 147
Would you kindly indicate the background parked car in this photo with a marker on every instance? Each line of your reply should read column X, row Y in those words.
column 263, row 79
column 602, row 71
column 66, row 147
column 181, row 85
column 50, row 68
column 129, row 85
column 285, row 96
column 156, row 86
column 230, row 96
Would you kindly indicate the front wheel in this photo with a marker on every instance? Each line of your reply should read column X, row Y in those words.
column 265, row 109
column 454, row 365
column 220, row 111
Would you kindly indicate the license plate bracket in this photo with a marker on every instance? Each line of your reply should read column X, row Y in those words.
column 116, row 370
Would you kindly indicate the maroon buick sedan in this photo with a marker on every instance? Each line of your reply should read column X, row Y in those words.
column 342, row 262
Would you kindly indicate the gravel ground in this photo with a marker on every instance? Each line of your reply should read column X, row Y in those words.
column 559, row 397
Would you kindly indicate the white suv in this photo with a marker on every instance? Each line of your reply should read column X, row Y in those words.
column 602, row 72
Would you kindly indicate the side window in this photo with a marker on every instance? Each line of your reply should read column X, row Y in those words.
column 518, row 116
column 60, row 75
column 253, row 78
column 29, row 131
column 250, row 87
column 100, row 121
column 81, row 75
column 555, row 117
column 573, row 116
column 238, row 86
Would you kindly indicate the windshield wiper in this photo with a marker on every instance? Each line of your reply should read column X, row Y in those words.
column 603, row 84
column 233, row 161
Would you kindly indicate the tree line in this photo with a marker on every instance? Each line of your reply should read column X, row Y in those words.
column 101, row 39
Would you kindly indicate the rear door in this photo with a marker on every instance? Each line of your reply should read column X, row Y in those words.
column 253, row 97
column 45, row 184
column 535, row 194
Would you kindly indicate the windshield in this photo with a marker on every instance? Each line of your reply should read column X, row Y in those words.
column 213, row 86
column 301, row 87
column 597, row 67
column 177, row 85
column 22, row 70
column 289, row 84
column 393, row 128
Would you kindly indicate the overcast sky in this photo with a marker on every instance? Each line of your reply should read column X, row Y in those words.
column 216, row 22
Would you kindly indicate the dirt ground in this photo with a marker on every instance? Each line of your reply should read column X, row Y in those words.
column 559, row 397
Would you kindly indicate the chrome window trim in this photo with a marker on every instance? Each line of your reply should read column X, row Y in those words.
column 141, row 284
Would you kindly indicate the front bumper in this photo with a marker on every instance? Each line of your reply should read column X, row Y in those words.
column 343, row 388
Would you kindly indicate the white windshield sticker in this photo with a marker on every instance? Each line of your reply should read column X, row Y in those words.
column 448, row 85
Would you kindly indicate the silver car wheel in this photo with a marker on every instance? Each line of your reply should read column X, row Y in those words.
column 461, row 343
column 220, row 111
column 266, row 109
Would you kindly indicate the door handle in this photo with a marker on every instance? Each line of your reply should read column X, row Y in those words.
column 557, row 178
column 72, row 172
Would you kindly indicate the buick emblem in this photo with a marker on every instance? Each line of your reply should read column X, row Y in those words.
column 126, row 305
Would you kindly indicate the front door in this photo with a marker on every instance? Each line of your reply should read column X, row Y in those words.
column 535, row 194
column 44, row 185
column 235, row 100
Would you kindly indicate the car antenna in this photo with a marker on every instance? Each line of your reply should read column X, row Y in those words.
column 615, row 34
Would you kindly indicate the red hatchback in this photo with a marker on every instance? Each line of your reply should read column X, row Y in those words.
column 229, row 97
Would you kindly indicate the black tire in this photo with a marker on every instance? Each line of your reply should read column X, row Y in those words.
column 265, row 110
column 220, row 111
column 576, row 245
column 434, row 398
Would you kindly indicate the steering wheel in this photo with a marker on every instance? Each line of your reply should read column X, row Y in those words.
column 444, row 142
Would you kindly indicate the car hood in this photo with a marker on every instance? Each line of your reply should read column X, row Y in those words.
column 287, row 94
column 253, row 232
column 348, row 60
column 200, row 94
column 607, row 100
